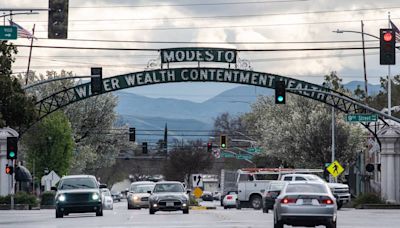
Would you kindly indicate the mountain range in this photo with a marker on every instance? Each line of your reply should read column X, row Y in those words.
column 151, row 114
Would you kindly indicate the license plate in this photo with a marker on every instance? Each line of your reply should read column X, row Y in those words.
column 170, row 204
column 307, row 201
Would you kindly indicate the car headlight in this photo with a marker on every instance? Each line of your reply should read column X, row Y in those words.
column 61, row 198
column 95, row 196
column 135, row 198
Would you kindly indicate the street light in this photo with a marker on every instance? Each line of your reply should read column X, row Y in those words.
column 363, row 49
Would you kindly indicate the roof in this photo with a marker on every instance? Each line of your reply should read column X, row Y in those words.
column 277, row 170
column 77, row 176
column 143, row 183
column 169, row 182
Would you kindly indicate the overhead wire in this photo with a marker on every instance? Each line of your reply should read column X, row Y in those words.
column 187, row 4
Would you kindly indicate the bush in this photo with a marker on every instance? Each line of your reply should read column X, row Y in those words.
column 25, row 198
column 367, row 198
column 20, row 198
column 5, row 199
column 47, row 198
column 193, row 201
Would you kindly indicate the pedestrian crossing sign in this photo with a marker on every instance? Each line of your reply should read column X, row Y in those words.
column 335, row 169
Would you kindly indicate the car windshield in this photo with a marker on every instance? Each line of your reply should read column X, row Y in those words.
column 106, row 192
column 77, row 183
column 168, row 188
column 141, row 188
column 306, row 188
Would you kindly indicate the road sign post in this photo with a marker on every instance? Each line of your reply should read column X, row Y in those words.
column 361, row 117
column 8, row 33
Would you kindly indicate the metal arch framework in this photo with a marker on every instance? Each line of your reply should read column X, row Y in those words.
column 246, row 77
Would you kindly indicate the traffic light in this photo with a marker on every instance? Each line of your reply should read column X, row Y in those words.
column 387, row 47
column 144, row 147
column 9, row 169
column 96, row 80
column 132, row 134
column 223, row 143
column 209, row 147
column 12, row 147
column 280, row 92
column 58, row 19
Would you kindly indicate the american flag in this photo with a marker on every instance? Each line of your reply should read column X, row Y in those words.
column 23, row 33
column 396, row 31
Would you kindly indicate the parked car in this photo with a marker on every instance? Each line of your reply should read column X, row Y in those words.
column 169, row 196
column 340, row 191
column 207, row 196
column 78, row 194
column 117, row 196
column 230, row 200
column 217, row 196
column 305, row 203
column 106, row 199
column 271, row 193
column 138, row 196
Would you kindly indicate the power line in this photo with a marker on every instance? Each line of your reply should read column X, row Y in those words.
column 156, row 50
column 238, row 16
column 187, row 4
column 217, row 42
column 205, row 27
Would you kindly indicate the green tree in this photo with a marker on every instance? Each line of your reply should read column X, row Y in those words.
column 299, row 133
column 49, row 144
column 379, row 101
column 16, row 108
column 183, row 161
column 93, row 122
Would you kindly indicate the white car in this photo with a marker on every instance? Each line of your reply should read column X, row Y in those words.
column 107, row 199
column 229, row 200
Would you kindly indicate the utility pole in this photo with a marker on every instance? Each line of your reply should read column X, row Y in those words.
column 365, row 67
column 331, row 179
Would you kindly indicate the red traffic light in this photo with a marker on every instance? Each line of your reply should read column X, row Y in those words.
column 209, row 147
column 9, row 170
column 388, row 37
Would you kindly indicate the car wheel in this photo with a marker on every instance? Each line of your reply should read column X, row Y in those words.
column 339, row 205
column 129, row 206
column 225, row 207
column 185, row 211
column 59, row 214
column 151, row 211
column 256, row 202
column 331, row 224
column 277, row 224
column 99, row 212
column 238, row 206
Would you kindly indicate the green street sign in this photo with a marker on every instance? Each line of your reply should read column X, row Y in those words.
column 227, row 155
column 244, row 156
column 361, row 117
column 8, row 33
column 253, row 150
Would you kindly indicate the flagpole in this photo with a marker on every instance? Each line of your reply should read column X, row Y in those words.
column 30, row 55
column 389, row 81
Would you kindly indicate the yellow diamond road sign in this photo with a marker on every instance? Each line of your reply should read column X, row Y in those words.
column 335, row 169
column 197, row 192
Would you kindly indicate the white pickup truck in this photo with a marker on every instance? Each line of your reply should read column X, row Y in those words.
column 251, row 182
column 340, row 191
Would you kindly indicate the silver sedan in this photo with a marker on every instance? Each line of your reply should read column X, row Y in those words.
column 305, row 203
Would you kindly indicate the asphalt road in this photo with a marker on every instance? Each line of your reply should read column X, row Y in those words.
column 248, row 218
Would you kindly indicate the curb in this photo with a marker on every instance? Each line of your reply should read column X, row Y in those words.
column 378, row 206
column 202, row 208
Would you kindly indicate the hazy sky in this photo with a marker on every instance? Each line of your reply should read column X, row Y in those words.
column 309, row 23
